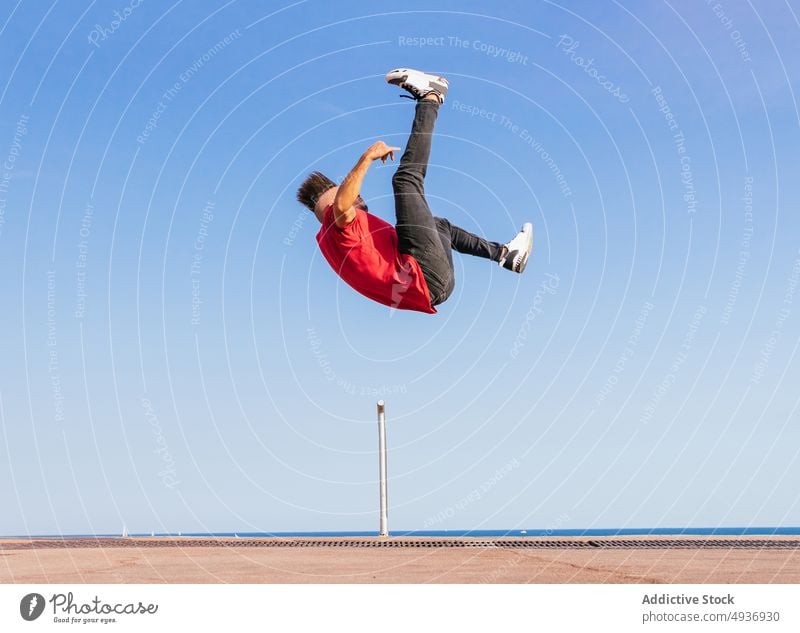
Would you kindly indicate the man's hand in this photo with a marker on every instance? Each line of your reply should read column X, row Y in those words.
column 380, row 150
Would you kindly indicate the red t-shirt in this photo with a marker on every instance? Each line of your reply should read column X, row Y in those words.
column 364, row 254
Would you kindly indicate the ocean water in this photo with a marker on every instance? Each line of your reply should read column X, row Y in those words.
column 537, row 533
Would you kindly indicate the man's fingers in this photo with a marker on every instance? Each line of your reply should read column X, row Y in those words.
column 387, row 151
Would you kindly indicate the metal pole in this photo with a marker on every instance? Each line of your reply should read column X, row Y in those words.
column 384, row 531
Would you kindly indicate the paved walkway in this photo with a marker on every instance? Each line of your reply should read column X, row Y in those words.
column 402, row 559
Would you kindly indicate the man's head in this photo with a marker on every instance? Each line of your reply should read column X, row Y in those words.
column 317, row 192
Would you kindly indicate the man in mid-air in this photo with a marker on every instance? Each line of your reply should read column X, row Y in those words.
column 408, row 266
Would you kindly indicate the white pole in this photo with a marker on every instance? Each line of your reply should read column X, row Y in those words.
column 384, row 531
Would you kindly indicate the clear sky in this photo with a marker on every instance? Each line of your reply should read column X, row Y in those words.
column 177, row 356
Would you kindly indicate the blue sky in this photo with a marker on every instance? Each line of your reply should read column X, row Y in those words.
column 177, row 356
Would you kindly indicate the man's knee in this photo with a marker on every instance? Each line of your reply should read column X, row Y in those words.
column 407, row 180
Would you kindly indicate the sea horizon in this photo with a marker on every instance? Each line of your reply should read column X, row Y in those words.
column 537, row 533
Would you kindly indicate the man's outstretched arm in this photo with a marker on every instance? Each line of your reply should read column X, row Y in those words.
column 343, row 211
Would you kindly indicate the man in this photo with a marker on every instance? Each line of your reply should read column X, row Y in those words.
column 408, row 266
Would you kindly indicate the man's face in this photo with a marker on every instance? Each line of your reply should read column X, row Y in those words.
column 324, row 201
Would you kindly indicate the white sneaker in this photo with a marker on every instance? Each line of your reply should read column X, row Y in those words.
column 518, row 249
column 418, row 83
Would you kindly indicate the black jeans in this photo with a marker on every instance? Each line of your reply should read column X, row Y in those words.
column 426, row 238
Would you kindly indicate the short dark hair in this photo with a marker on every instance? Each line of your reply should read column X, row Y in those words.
column 312, row 188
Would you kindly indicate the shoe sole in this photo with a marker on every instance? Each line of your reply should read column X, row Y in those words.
column 527, row 228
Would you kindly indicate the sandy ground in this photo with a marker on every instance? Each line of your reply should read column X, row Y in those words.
column 184, row 561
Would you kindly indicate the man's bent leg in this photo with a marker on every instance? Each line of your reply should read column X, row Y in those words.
column 417, row 232
column 469, row 243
